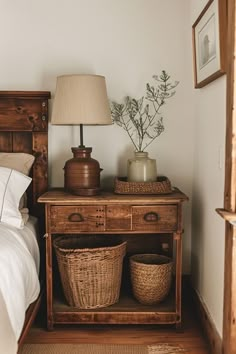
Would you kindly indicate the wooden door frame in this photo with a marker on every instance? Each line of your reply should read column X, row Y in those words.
column 229, row 211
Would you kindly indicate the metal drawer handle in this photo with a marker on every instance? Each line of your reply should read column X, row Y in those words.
column 75, row 217
column 151, row 216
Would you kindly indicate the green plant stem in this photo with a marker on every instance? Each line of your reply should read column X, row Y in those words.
column 140, row 120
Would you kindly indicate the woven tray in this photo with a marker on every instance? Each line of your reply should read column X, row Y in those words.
column 161, row 186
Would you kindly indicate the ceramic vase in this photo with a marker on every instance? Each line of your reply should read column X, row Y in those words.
column 141, row 168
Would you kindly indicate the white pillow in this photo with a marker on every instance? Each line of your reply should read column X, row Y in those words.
column 12, row 186
column 19, row 161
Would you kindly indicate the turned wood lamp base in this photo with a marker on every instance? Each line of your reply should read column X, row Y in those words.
column 82, row 173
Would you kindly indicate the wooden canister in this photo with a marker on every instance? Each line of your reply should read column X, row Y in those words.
column 82, row 172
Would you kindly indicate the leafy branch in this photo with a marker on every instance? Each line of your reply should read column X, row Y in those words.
column 141, row 119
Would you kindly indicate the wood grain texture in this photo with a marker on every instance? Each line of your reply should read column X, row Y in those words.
column 154, row 218
column 142, row 221
column 229, row 322
column 22, row 114
column 60, row 196
column 23, row 128
column 70, row 219
column 118, row 217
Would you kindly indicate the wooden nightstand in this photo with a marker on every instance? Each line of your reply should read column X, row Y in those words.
column 149, row 224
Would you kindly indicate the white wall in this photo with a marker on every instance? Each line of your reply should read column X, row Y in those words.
column 208, row 190
column 127, row 42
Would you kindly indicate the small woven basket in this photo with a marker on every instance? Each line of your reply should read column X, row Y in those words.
column 151, row 276
column 90, row 268
column 161, row 186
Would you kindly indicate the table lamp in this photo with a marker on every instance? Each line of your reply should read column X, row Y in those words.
column 81, row 100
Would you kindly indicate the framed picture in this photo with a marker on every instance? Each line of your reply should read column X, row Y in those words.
column 209, row 43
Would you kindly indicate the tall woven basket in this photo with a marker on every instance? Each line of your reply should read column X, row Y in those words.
column 151, row 276
column 90, row 269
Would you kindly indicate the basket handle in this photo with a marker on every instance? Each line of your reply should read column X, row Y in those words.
column 151, row 216
column 75, row 217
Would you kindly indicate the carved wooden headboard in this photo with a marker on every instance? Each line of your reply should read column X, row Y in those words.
column 24, row 128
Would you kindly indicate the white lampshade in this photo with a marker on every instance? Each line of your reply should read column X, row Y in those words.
column 81, row 99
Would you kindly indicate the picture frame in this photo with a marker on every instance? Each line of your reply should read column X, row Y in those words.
column 209, row 43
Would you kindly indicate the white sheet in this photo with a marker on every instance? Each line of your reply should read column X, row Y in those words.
column 8, row 342
column 19, row 268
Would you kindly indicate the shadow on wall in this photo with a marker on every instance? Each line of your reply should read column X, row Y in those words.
column 107, row 182
column 197, row 239
column 124, row 155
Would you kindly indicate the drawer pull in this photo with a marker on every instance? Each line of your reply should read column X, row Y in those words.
column 75, row 217
column 151, row 216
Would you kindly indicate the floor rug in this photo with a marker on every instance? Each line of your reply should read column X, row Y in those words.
column 100, row 349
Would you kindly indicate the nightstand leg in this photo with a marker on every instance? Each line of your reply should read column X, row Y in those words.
column 179, row 327
column 50, row 326
column 49, row 282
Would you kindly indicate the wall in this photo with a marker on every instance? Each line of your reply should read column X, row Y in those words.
column 127, row 42
column 208, row 189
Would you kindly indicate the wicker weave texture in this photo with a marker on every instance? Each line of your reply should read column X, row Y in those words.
column 150, row 277
column 90, row 268
column 161, row 186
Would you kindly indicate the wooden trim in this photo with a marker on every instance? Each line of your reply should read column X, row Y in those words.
column 230, row 165
column 229, row 323
column 210, row 332
column 60, row 196
column 227, row 215
column 25, row 94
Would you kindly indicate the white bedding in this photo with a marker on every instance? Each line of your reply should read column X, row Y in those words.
column 19, row 268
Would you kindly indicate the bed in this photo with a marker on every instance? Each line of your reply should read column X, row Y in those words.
column 23, row 133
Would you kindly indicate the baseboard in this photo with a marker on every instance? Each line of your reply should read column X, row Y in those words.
column 208, row 327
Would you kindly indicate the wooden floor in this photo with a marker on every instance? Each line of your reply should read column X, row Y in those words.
column 190, row 338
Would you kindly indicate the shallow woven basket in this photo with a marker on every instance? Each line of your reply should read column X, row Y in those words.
column 150, row 277
column 161, row 186
column 90, row 268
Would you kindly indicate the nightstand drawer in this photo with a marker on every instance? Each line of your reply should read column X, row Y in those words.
column 118, row 217
column 154, row 218
column 77, row 219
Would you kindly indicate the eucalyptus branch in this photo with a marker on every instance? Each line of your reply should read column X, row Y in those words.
column 141, row 121
column 120, row 118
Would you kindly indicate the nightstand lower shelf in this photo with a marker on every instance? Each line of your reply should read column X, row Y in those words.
column 126, row 311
